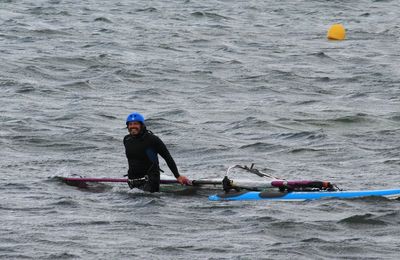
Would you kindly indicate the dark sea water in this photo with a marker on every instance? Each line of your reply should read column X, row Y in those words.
column 221, row 82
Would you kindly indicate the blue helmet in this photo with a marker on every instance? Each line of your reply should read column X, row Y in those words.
column 135, row 117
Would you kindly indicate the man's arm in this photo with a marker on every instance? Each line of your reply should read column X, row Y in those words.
column 165, row 154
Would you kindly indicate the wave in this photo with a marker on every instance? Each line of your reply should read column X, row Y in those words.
column 70, row 203
column 308, row 135
column 147, row 10
column 62, row 255
column 210, row 15
column 262, row 146
column 102, row 19
column 322, row 55
column 365, row 219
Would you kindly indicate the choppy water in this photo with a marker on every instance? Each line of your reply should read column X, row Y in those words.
column 221, row 82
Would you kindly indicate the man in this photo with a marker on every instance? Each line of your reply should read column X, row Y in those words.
column 142, row 148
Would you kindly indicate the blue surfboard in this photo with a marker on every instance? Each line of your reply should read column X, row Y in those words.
column 304, row 195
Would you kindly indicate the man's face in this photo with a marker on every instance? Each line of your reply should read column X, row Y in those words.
column 134, row 127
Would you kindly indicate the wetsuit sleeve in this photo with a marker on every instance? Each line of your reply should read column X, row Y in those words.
column 163, row 151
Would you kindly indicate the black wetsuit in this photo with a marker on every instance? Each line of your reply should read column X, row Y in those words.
column 141, row 152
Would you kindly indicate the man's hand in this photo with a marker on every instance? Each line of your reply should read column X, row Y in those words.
column 184, row 180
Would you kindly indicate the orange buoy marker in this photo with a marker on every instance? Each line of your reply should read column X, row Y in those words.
column 336, row 32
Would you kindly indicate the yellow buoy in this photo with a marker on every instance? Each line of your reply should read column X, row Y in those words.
column 336, row 32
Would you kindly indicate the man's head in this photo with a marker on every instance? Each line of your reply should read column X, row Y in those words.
column 135, row 123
